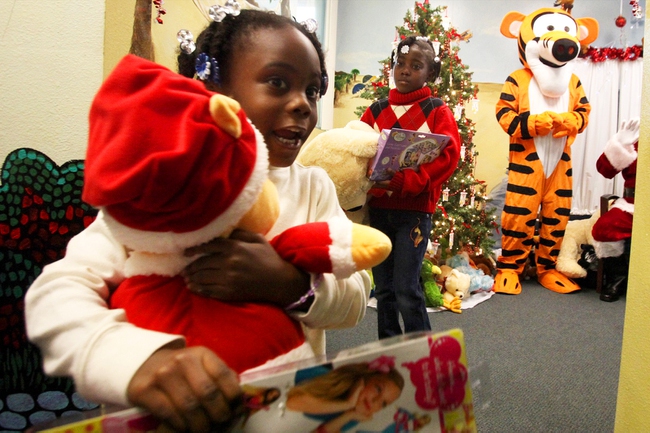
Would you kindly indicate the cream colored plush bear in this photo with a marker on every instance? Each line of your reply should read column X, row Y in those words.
column 455, row 287
column 344, row 154
column 577, row 232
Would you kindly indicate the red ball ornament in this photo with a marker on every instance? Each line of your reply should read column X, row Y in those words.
column 620, row 21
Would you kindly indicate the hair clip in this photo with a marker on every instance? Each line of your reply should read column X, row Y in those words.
column 422, row 38
column 405, row 49
column 186, row 39
column 324, row 82
column 218, row 13
column 207, row 68
column 310, row 25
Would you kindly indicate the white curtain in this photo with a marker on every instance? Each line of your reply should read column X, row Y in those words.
column 614, row 91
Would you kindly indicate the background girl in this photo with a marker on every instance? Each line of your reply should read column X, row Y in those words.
column 402, row 206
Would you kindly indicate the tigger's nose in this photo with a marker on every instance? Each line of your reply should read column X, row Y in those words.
column 565, row 50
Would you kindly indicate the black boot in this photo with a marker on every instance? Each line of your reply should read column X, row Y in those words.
column 615, row 274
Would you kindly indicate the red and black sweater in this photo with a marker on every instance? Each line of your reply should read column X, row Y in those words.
column 417, row 190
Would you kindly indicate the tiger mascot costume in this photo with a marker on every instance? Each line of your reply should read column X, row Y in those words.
column 542, row 108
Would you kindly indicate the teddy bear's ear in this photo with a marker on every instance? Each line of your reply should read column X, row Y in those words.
column 362, row 137
column 360, row 126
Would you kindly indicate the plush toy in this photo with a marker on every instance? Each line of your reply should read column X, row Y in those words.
column 432, row 293
column 479, row 281
column 484, row 263
column 172, row 165
column 577, row 233
column 344, row 154
column 542, row 108
column 455, row 289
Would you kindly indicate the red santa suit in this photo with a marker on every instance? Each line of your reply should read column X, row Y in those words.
column 619, row 156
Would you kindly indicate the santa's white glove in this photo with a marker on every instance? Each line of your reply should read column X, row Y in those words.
column 619, row 149
column 628, row 134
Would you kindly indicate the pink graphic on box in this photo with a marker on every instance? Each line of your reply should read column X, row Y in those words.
column 440, row 379
column 404, row 422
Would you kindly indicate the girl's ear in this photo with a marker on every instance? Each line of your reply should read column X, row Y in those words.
column 432, row 75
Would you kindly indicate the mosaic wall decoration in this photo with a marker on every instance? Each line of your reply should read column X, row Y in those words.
column 40, row 210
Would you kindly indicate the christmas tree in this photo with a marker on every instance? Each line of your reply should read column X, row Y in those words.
column 461, row 221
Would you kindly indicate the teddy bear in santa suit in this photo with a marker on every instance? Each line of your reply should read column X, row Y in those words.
column 613, row 230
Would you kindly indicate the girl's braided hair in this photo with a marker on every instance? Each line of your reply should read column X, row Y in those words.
column 221, row 40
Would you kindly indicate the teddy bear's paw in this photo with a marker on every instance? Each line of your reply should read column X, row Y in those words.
column 454, row 305
column 570, row 268
column 557, row 281
column 507, row 282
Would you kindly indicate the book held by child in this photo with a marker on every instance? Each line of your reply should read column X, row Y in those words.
column 415, row 382
column 401, row 148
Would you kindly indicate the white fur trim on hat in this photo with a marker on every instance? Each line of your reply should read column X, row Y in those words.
column 623, row 205
column 170, row 242
column 608, row 249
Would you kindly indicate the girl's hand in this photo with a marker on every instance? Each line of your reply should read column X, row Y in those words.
column 382, row 184
column 244, row 267
column 188, row 389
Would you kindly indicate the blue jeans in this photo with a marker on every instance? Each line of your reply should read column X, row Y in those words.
column 397, row 279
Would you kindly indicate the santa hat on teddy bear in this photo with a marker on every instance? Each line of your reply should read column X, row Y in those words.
column 166, row 176
column 173, row 165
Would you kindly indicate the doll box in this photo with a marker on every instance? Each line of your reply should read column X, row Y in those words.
column 402, row 148
column 435, row 391
column 431, row 368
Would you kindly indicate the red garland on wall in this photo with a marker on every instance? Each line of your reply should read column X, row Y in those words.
column 601, row 54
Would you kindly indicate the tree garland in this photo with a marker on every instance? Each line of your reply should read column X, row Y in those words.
column 601, row 54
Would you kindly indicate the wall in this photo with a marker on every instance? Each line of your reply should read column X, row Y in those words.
column 634, row 379
column 119, row 25
column 51, row 67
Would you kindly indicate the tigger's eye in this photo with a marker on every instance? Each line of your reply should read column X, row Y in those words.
column 553, row 22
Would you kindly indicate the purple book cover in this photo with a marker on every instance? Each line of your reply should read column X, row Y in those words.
column 401, row 148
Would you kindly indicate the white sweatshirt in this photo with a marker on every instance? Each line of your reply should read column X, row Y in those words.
column 66, row 306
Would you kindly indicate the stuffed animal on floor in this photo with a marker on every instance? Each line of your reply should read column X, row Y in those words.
column 485, row 263
column 479, row 281
column 577, row 233
column 455, row 288
column 172, row 165
column 542, row 107
column 432, row 292
column 344, row 154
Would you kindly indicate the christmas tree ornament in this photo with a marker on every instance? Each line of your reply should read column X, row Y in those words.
column 160, row 10
column 637, row 11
